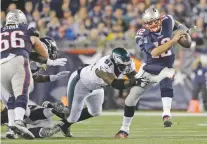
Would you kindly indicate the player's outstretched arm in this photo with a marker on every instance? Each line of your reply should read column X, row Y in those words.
column 37, row 58
column 110, row 79
column 163, row 48
column 50, row 78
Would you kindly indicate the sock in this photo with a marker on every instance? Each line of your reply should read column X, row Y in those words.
column 37, row 114
column 19, row 113
column 126, row 123
column 84, row 115
column 166, row 102
column 36, row 132
column 11, row 117
column 127, row 118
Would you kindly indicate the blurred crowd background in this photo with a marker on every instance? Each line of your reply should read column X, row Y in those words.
column 105, row 20
column 101, row 25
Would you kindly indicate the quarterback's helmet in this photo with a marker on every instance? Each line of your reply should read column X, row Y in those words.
column 151, row 19
column 51, row 46
column 121, row 58
column 15, row 16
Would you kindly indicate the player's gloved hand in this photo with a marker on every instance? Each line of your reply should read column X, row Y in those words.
column 178, row 35
column 59, row 76
column 57, row 62
column 142, row 82
column 192, row 30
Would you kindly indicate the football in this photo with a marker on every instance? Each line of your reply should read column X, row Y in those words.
column 185, row 41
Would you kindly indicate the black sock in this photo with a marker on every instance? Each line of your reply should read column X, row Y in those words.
column 129, row 111
column 84, row 115
column 36, row 132
column 37, row 114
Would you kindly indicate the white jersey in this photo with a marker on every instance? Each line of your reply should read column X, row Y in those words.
column 89, row 78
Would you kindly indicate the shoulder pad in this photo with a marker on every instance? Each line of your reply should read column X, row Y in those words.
column 141, row 33
column 33, row 32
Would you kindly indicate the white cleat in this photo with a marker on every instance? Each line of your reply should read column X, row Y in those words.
column 10, row 134
column 20, row 129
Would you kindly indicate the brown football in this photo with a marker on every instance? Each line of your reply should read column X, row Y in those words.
column 185, row 41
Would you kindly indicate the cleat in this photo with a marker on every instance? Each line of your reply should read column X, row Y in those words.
column 48, row 132
column 64, row 129
column 10, row 134
column 58, row 109
column 167, row 121
column 47, row 104
column 20, row 128
column 121, row 134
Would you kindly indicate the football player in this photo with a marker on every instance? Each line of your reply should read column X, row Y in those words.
column 156, row 41
column 85, row 85
column 38, row 121
column 52, row 48
column 17, row 41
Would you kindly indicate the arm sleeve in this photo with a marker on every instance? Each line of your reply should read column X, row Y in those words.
column 177, row 25
column 33, row 32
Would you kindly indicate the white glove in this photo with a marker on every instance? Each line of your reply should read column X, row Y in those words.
column 57, row 62
column 192, row 30
column 59, row 75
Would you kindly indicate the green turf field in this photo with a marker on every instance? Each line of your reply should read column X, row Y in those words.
column 147, row 128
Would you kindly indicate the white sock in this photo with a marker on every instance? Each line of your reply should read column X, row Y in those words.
column 11, row 117
column 19, row 113
column 166, row 103
column 48, row 112
column 126, row 123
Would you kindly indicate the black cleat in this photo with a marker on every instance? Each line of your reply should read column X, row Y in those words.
column 64, row 129
column 167, row 121
column 122, row 134
column 58, row 109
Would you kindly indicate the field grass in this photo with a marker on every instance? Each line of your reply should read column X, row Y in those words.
column 147, row 128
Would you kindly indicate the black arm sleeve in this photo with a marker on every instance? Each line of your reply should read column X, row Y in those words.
column 33, row 32
column 120, row 83
column 41, row 78
column 36, row 57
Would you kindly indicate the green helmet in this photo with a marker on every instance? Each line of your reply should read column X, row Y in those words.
column 121, row 58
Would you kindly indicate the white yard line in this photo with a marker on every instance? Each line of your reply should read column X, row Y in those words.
column 181, row 114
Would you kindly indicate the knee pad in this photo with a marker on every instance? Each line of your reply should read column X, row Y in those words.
column 166, row 88
column 96, row 113
column 21, row 101
column 11, row 103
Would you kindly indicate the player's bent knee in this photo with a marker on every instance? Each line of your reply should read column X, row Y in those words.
column 11, row 102
column 130, row 102
column 96, row 112
column 21, row 101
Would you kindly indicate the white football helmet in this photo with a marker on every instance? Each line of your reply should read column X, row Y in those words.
column 16, row 17
column 151, row 19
